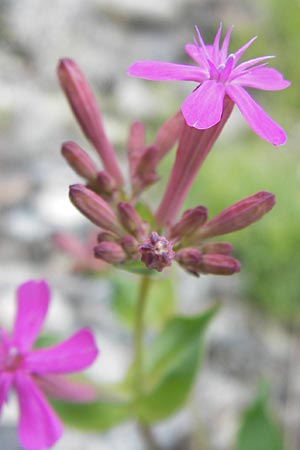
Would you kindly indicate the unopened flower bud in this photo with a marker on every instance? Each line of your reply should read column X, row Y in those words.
column 168, row 134
column 136, row 144
column 225, row 248
column 190, row 221
column 105, row 236
column 239, row 215
column 85, row 109
column 79, row 160
column 131, row 220
column 145, row 174
column 130, row 245
column 219, row 264
column 156, row 252
column 95, row 208
column 106, row 183
column 110, row 252
column 190, row 259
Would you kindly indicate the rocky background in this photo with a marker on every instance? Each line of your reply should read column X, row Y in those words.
column 104, row 37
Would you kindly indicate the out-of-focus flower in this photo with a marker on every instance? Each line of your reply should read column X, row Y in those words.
column 218, row 75
column 80, row 251
column 35, row 372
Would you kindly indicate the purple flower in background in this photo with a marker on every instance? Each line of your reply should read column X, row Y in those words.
column 33, row 372
column 219, row 74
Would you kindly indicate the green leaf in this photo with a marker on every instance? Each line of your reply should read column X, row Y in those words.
column 160, row 305
column 171, row 364
column 95, row 416
column 259, row 430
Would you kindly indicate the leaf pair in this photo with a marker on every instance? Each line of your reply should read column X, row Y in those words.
column 170, row 366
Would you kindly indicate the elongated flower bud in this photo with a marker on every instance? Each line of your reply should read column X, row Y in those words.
column 135, row 145
column 190, row 259
column 239, row 215
column 130, row 245
column 145, row 174
column 106, row 183
column 193, row 147
column 225, row 248
column 85, row 109
column 168, row 134
column 79, row 160
column 190, row 221
column 219, row 264
column 131, row 220
column 94, row 208
column 105, row 236
column 110, row 252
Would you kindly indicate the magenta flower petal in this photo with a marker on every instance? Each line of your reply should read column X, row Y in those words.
column 203, row 108
column 5, row 383
column 39, row 427
column 255, row 116
column 157, row 70
column 225, row 44
column 32, row 306
column 263, row 78
column 72, row 355
column 239, row 53
column 197, row 54
column 63, row 388
column 251, row 62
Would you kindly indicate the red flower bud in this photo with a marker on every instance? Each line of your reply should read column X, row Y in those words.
column 79, row 160
column 219, row 264
column 95, row 208
column 168, row 134
column 130, row 245
column 135, row 145
column 85, row 109
column 225, row 248
column 190, row 221
column 190, row 259
column 110, row 252
column 106, row 183
column 131, row 220
column 239, row 215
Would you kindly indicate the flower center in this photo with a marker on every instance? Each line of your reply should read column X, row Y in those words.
column 13, row 359
column 156, row 252
column 222, row 72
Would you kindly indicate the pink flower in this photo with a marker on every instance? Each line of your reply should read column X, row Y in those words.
column 33, row 372
column 219, row 74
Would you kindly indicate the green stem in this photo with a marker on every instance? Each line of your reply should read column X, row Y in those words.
column 139, row 355
column 139, row 333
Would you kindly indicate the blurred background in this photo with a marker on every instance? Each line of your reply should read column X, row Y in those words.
column 257, row 334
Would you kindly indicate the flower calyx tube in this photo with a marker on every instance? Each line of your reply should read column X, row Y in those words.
column 86, row 111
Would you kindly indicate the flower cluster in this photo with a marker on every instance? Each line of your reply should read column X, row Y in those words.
column 32, row 373
column 124, row 234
